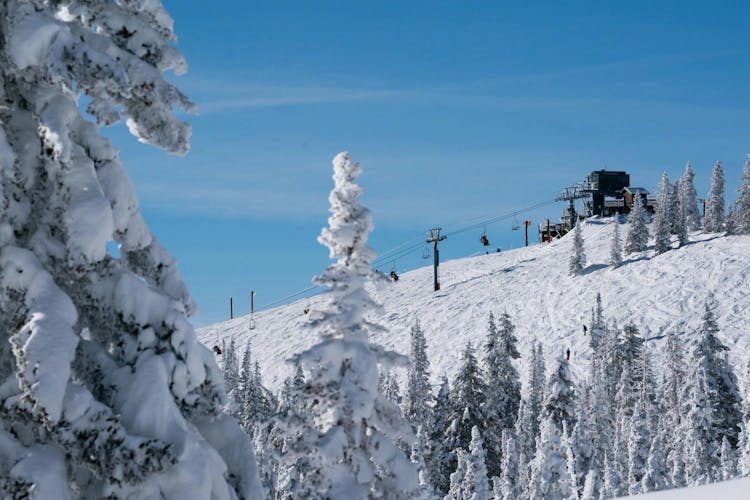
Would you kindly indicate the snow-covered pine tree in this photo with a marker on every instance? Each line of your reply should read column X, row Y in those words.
column 689, row 199
column 679, row 223
column 104, row 378
column 663, row 218
column 468, row 396
column 529, row 415
column 578, row 255
column 458, row 477
column 637, row 237
column 475, row 484
column 231, row 371
column 417, row 458
column 742, row 205
column 613, row 485
column 728, row 460
column 388, row 387
column 559, row 396
column 615, row 252
column 550, row 477
column 503, row 392
column 673, row 401
column 714, row 404
column 709, row 360
column 656, row 476
column 631, row 379
column 439, row 457
column 591, row 486
column 583, row 440
column 509, row 481
column 352, row 423
column 713, row 220
column 638, row 445
column 418, row 391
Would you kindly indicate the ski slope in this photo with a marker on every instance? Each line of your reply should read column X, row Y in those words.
column 736, row 489
column 659, row 293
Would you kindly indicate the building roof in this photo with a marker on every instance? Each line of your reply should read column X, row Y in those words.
column 633, row 189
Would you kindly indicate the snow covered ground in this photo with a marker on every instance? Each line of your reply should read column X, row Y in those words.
column 736, row 489
column 660, row 294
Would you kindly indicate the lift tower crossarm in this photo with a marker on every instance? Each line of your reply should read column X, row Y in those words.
column 435, row 238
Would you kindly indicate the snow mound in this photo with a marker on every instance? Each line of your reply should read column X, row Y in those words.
column 659, row 293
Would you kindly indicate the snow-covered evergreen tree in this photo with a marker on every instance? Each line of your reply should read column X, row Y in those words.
column 509, row 481
column 500, row 406
column 439, row 455
column 679, row 222
column 638, row 446
column 503, row 392
column 417, row 458
column 468, row 396
column 418, row 391
column 583, row 440
column 656, row 476
column 550, row 477
column 559, row 396
column 637, row 237
column 106, row 390
column 742, row 206
column 591, row 486
column 728, row 460
column 613, row 484
column 527, row 428
column 578, row 256
column 388, row 387
column 349, row 448
column 615, row 252
column 673, row 402
column 231, row 371
column 689, row 199
column 664, row 218
column 458, row 477
column 713, row 220
column 475, row 484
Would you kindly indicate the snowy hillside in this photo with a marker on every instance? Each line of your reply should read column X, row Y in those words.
column 736, row 489
column 659, row 294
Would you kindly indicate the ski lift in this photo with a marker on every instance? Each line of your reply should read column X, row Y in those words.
column 306, row 310
column 426, row 252
column 516, row 226
column 483, row 239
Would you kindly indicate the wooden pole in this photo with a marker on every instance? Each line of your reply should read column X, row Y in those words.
column 526, row 225
column 231, row 308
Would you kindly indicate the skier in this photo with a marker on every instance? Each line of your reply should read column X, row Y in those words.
column 393, row 276
column 585, row 330
column 217, row 350
column 567, row 355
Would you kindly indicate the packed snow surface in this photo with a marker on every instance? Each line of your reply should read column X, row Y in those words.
column 659, row 293
column 736, row 489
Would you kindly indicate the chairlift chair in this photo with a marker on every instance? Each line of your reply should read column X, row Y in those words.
column 516, row 226
column 483, row 239
column 426, row 252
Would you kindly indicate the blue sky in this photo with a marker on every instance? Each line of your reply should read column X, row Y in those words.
column 456, row 110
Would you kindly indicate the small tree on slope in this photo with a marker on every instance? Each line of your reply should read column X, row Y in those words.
column 679, row 223
column 637, row 237
column 106, row 390
column 578, row 257
column 689, row 199
column 742, row 211
column 663, row 218
column 713, row 220
column 615, row 253
column 351, row 421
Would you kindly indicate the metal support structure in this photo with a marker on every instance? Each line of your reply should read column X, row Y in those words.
column 231, row 308
column 252, row 301
column 549, row 232
column 526, row 225
column 435, row 238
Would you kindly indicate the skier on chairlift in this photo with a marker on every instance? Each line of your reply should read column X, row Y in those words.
column 393, row 275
